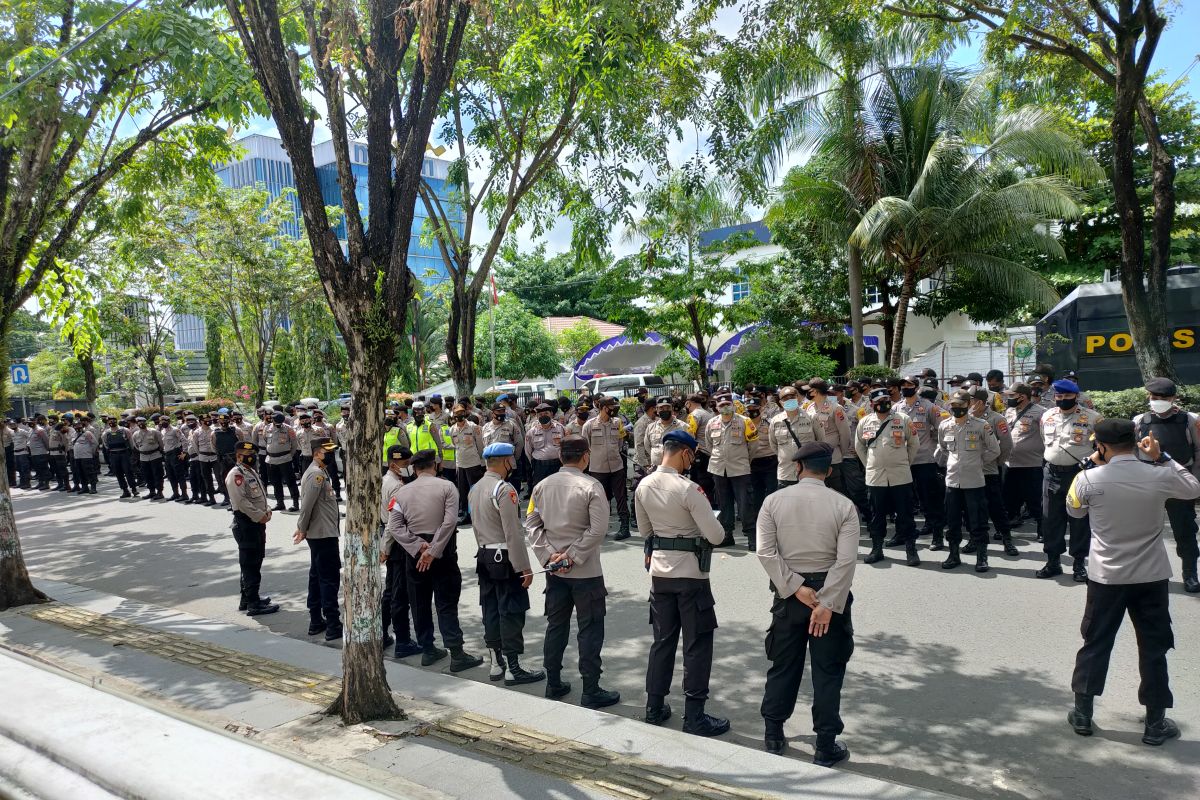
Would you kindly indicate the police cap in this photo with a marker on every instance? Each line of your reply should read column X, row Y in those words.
column 1113, row 430
column 979, row 393
column 323, row 443
column 1163, row 387
column 810, row 450
column 278, row 417
column 880, row 394
column 399, row 452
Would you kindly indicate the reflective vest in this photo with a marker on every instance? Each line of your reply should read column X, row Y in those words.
column 390, row 438
column 421, row 438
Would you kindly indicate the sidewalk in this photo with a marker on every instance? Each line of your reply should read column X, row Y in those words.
column 461, row 739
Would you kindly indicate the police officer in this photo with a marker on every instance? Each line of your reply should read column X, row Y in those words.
column 1066, row 432
column 925, row 418
column 788, row 431
column 680, row 532
column 323, row 428
column 467, row 438
column 606, row 435
column 439, row 417
column 7, row 427
column 117, row 446
column 1023, row 477
column 205, row 461
column 424, row 434
column 83, row 451
column 574, row 426
column 981, row 407
column 542, row 442
column 1124, row 497
column 697, row 419
column 764, row 466
column 148, row 443
column 280, row 442
column 423, row 522
column 830, row 417
column 1178, row 435
column 567, row 522
column 964, row 445
column 808, row 547
column 886, row 443
column 661, row 422
column 319, row 524
column 395, row 603
column 728, row 437
column 174, row 463
column 248, row 500
column 502, row 566
column 504, row 427
column 57, row 438
column 39, row 452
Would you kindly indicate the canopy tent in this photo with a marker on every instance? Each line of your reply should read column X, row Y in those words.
column 617, row 355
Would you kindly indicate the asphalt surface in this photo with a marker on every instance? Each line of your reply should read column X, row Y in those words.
column 959, row 682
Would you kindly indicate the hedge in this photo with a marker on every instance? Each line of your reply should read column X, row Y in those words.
column 1128, row 403
column 870, row 372
column 198, row 407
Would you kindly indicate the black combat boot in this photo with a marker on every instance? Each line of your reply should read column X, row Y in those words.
column 1052, row 568
column 1158, row 727
column 1080, row 717
column 1079, row 571
column 261, row 606
column 696, row 722
column 938, row 544
column 969, row 548
column 1190, row 582
column 518, row 675
column 830, row 752
column 981, row 563
column 460, row 659
column 895, row 541
column 316, row 623
column 333, row 626
column 1010, row 549
column 496, row 664
column 952, row 560
column 773, row 740
column 595, row 697
column 555, row 687
column 876, row 554
column 657, row 710
column 406, row 648
column 910, row 553
column 431, row 655
column 623, row 531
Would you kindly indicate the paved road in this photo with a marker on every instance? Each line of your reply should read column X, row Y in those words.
column 959, row 683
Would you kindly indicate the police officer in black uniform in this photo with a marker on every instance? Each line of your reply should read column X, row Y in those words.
column 117, row 444
column 248, row 499
column 225, row 440
column 1178, row 434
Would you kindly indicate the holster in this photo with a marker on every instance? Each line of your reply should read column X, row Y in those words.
column 486, row 564
column 697, row 545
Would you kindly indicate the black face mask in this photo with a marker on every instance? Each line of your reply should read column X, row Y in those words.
column 418, row 418
column 1065, row 404
column 958, row 412
column 664, row 415
column 545, row 419
column 498, row 416
column 752, row 414
column 907, row 392
column 882, row 407
column 581, row 414
column 1012, row 402
column 460, row 419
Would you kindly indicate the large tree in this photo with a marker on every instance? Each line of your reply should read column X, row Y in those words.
column 1113, row 42
column 381, row 67
column 553, row 286
column 551, row 104
column 66, row 133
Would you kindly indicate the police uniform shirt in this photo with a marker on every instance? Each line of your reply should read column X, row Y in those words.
column 963, row 448
column 84, row 446
column 39, row 442
column 171, row 438
column 542, row 444
column 641, row 454
column 568, row 512
column 509, row 432
column 21, row 439
column 835, row 428
column 426, row 507
column 341, row 433
column 304, row 437
column 925, row 417
column 573, row 427
column 1068, row 435
column 149, row 444
column 55, row 442
column 202, row 437
column 697, row 423
column 654, row 432
column 1003, row 440
column 189, row 443
column 391, row 484
column 809, row 528
column 246, row 492
column 1024, row 427
column 496, row 518
column 1124, row 501
column 245, row 431
column 670, row 506
column 728, row 445
column 780, row 440
column 886, row 448
column 280, row 443
column 468, row 444
column 604, row 441
column 6, row 435
column 319, row 514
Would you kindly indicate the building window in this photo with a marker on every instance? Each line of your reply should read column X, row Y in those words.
column 871, row 296
column 741, row 291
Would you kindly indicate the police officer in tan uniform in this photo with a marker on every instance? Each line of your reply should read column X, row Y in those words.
column 566, row 523
column 502, row 566
column 964, row 445
column 279, row 439
column 788, row 431
column 1066, row 431
column 319, row 524
column 886, row 443
column 728, row 437
column 659, row 425
column 248, row 501
column 605, row 434
column 982, row 407
column 148, row 444
column 467, row 439
column 395, row 603
column 542, row 441
column 808, row 547
column 680, row 530
column 1024, row 464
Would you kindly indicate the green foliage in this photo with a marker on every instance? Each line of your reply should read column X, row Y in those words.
column 286, row 366
column 27, row 334
column 629, row 407
column 207, row 406
column 524, row 348
column 416, row 368
column 576, row 340
column 214, row 353
column 1127, row 403
column 870, row 372
column 676, row 362
column 556, row 286
column 319, row 355
column 775, row 364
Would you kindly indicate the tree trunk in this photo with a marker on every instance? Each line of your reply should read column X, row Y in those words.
column 365, row 691
column 90, row 392
column 896, row 348
column 854, row 261
column 460, row 334
column 158, row 389
column 701, row 348
column 15, row 587
column 1157, row 361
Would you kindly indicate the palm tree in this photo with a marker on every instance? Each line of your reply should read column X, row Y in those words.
column 966, row 188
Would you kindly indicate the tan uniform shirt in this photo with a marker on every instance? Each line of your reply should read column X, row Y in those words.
column 508, row 431
column 1025, row 428
column 1003, row 439
column 782, row 442
column 319, row 514
column 280, row 443
column 203, row 442
column 655, row 431
column 605, row 440
column 809, row 528
column 246, row 492
column 697, row 423
column 496, row 518
column 963, row 448
column 1067, row 435
column 568, row 512
column 669, row 505
column 172, row 439
column 468, row 444
column 427, row 507
column 886, row 447
column 641, row 454
column 835, row 428
column 542, row 444
column 148, row 443
column 728, row 445
column 925, row 418
column 391, row 485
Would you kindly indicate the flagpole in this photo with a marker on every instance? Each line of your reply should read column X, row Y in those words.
column 492, row 325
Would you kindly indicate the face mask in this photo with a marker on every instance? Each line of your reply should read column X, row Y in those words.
column 664, row 415
column 883, row 407
column 752, row 414
column 909, row 392
column 460, row 418
column 958, row 413
column 545, row 419
column 498, row 416
column 418, row 418
column 791, row 405
column 1066, row 404
column 1161, row 406
column 1012, row 402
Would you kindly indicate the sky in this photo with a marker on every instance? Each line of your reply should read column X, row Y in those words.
column 1176, row 56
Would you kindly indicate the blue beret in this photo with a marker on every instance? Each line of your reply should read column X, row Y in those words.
column 1067, row 387
column 683, row 437
column 502, row 398
column 433, row 397
column 498, row 450
column 222, row 410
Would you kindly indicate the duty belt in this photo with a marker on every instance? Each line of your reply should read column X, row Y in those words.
column 207, row 452
column 699, row 546
column 59, row 450
column 280, row 453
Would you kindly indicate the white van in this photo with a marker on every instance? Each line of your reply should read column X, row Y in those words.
column 526, row 388
column 623, row 385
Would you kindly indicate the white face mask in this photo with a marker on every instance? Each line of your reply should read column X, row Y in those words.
column 1161, row 406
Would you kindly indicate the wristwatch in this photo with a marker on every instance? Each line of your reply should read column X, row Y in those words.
column 1162, row 458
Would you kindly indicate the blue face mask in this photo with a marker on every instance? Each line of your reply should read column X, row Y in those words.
column 791, row 405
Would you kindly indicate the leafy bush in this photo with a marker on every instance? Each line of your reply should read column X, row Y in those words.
column 63, row 394
column 629, row 407
column 870, row 372
column 775, row 364
column 1128, row 403
column 198, row 407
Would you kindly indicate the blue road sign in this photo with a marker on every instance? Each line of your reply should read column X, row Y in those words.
column 20, row 374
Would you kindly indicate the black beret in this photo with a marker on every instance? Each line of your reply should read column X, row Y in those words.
column 573, row 447
column 399, row 452
column 979, row 393
column 245, row 447
column 278, row 417
column 813, row 450
column 1163, row 387
column 1113, row 430
column 1021, row 388
column 880, row 394
column 423, row 459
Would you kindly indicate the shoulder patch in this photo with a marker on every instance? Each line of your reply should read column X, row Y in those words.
column 238, row 479
column 512, row 495
column 838, row 413
column 319, row 478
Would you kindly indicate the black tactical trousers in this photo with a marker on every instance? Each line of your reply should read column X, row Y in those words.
column 251, row 539
column 1182, row 514
column 1148, row 609
column 152, row 474
column 395, row 596
column 731, row 490
column 764, row 480
column 280, row 474
column 464, row 479
column 225, row 462
column 681, row 605
column 118, row 462
column 10, row 464
column 1023, row 486
column 24, row 466
column 324, row 577
column 854, row 481
column 930, row 488
column 787, row 643
column 996, row 510
column 203, row 474
column 584, row 596
column 616, row 487
column 892, row 500
column 85, row 474
column 176, row 472
column 702, row 477
column 542, row 468
column 971, row 503
column 1056, row 521
column 437, row 588
column 41, row 468
column 504, row 603
column 58, row 466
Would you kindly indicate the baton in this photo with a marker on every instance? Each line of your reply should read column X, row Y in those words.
column 553, row 566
